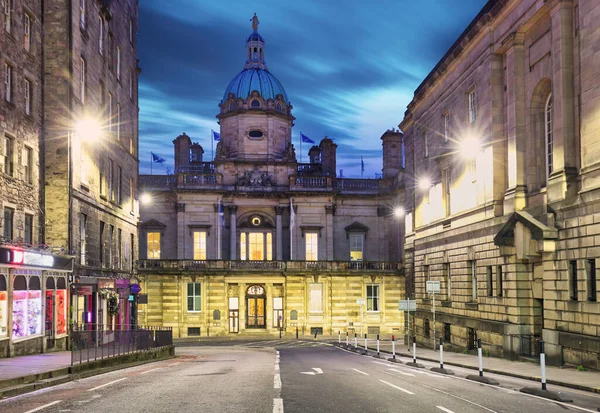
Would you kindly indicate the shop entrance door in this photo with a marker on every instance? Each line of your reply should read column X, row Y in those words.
column 255, row 310
column 234, row 315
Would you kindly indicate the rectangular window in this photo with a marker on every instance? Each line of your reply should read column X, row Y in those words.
column 119, row 249
column 27, row 165
column 315, row 297
column 243, row 256
column 592, row 292
column 153, row 242
column 27, row 32
column 447, row 332
column 490, row 281
column 82, row 238
column 131, row 84
column 9, row 149
column 102, row 179
column 447, row 180
column 269, row 243
column 9, row 214
column 119, row 184
column 408, row 222
column 356, row 247
column 499, row 281
column 83, row 164
column 447, row 275
column 372, row 297
column 426, row 328
column 27, row 95
column 7, row 82
column 110, row 118
column 118, row 122
column 312, row 246
column 102, row 250
column 426, row 143
column 472, row 268
column 132, row 253
column 7, row 15
column 109, row 180
column 573, row 280
column 111, row 245
column 82, row 10
column 472, row 106
column 82, row 80
column 101, row 35
column 28, row 233
column 277, row 312
column 256, row 246
column 132, row 194
column 446, row 127
column 118, row 63
column 193, row 297
column 199, row 245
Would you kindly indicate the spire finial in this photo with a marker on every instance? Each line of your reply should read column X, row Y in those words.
column 255, row 22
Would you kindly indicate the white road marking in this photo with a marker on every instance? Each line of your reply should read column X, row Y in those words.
column 277, row 405
column 401, row 372
column 460, row 398
column 444, row 409
column 37, row 409
column 396, row 387
column 380, row 362
column 108, row 384
column 277, row 382
column 310, row 373
column 174, row 364
column 150, row 371
column 361, row 372
column 317, row 370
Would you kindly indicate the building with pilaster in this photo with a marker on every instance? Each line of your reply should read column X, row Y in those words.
column 502, row 140
column 255, row 242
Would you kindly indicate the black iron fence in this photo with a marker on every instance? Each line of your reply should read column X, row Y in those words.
column 91, row 342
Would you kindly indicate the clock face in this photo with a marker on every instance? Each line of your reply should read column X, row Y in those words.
column 256, row 221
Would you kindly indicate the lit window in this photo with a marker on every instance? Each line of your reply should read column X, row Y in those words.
column 472, row 106
column 372, row 297
column 27, row 31
column 82, row 13
column 277, row 312
column 315, row 298
column 27, row 95
column 82, row 80
column 153, row 240
column 28, row 230
column 256, row 246
column 356, row 247
column 7, row 82
column 7, row 15
column 193, row 297
column 312, row 246
column 82, row 236
column 199, row 245
column 27, row 165
column 9, row 214
column 548, row 135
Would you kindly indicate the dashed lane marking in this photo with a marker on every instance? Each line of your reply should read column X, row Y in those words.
column 108, row 384
column 401, row 372
column 37, row 409
column 277, row 405
column 396, row 387
column 361, row 372
column 150, row 371
column 174, row 364
column 444, row 409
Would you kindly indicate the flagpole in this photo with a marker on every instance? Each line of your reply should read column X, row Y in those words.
column 300, row 147
column 212, row 138
column 151, row 162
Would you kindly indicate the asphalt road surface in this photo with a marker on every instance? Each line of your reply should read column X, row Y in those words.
column 291, row 376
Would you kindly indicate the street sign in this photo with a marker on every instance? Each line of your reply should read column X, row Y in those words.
column 433, row 287
column 407, row 305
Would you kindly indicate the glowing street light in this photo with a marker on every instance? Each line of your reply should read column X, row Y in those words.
column 399, row 212
column 146, row 198
column 89, row 129
column 470, row 148
column 424, row 183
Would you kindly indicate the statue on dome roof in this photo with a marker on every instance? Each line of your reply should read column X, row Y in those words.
column 255, row 22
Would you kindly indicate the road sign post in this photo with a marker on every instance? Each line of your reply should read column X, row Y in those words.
column 407, row 305
column 433, row 287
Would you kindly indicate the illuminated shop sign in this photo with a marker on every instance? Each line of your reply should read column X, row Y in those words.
column 34, row 259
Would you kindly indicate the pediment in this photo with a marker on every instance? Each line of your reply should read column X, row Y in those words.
column 356, row 227
column 153, row 224
column 539, row 231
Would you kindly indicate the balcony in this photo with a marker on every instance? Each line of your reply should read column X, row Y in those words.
column 216, row 266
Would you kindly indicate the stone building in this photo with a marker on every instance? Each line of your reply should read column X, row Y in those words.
column 68, row 125
column 502, row 139
column 254, row 241
column 91, row 149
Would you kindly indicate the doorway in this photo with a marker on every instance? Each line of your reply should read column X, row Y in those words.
column 255, row 307
column 234, row 315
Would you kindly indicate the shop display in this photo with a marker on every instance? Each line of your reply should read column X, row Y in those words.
column 3, row 314
column 61, row 312
column 27, row 314
column 49, row 311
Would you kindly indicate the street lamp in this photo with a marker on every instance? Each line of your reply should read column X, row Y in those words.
column 424, row 183
column 469, row 148
column 89, row 129
column 146, row 198
column 399, row 212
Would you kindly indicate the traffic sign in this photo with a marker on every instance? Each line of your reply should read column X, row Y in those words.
column 407, row 305
column 433, row 287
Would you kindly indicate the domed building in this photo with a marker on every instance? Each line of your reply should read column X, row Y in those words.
column 253, row 241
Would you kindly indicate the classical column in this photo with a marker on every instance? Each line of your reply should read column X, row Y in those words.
column 329, row 213
column 218, row 229
column 514, row 199
column 233, row 232
column 182, row 234
column 563, row 99
column 278, row 233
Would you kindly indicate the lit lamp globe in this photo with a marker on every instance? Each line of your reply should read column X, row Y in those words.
column 399, row 212
column 469, row 148
column 88, row 129
column 146, row 199
column 424, row 183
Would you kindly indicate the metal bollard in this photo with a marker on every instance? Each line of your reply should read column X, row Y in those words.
column 480, row 357
column 378, row 345
column 393, row 348
column 355, row 341
column 339, row 337
column 346, row 339
column 365, row 344
column 296, row 333
column 415, row 349
column 543, row 364
column 441, row 353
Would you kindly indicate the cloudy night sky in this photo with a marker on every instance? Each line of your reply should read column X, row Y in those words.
column 349, row 67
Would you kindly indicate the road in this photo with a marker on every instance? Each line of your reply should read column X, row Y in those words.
column 291, row 376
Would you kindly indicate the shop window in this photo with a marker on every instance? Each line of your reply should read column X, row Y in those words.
column 27, row 307
column 56, row 306
column 193, row 297
column 372, row 297
column 199, row 245
column 3, row 306
column 315, row 297
column 356, row 247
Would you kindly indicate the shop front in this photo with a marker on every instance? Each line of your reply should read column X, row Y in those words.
column 33, row 301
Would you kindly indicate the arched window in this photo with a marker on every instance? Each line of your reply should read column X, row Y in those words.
column 278, row 107
column 255, row 104
column 548, row 137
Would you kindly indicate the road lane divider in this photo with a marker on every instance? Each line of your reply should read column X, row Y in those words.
column 107, row 384
column 444, row 409
column 150, row 371
column 37, row 409
column 174, row 364
column 361, row 372
column 396, row 387
column 277, row 405
column 401, row 372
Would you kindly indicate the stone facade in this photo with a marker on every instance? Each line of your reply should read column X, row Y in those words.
column 502, row 137
column 256, row 229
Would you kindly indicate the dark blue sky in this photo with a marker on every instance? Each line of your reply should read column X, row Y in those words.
column 349, row 67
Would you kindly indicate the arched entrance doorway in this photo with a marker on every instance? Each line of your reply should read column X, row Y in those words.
column 255, row 307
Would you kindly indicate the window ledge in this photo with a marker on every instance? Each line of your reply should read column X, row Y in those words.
column 472, row 306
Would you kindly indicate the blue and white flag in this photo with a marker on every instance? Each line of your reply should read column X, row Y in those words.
column 305, row 138
column 156, row 158
column 362, row 164
column 216, row 135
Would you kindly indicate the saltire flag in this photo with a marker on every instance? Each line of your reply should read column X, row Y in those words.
column 156, row 158
column 305, row 138
column 362, row 164
column 216, row 135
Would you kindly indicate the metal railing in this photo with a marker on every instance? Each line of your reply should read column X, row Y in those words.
column 90, row 342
